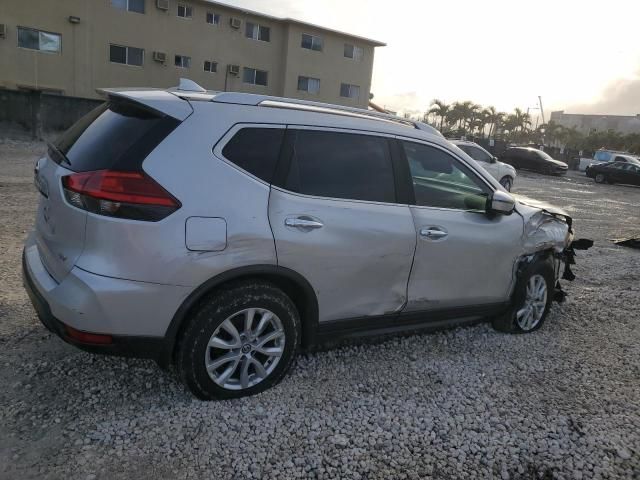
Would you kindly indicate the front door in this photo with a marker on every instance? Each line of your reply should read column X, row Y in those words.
column 336, row 221
column 463, row 256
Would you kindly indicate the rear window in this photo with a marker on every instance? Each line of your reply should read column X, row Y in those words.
column 116, row 135
column 255, row 150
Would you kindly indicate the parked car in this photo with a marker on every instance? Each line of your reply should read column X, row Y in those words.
column 626, row 159
column 222, row 232
column 606, row 156
column 615, row 172
column 534, row 160
column 502, row 172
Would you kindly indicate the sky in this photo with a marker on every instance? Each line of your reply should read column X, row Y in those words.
column 580, row 56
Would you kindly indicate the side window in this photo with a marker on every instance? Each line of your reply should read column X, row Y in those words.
column 341, row 165
column 255, row 150
column 440, row 181
column 477, row 154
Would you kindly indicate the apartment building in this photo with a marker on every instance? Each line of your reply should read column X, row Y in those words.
column 72, row 47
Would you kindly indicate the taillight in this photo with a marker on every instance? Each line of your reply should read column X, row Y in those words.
column 131, row 195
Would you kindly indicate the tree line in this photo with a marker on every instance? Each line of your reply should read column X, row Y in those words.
column 471, row 119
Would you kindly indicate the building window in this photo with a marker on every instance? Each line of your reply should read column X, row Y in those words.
column 257, row 32
column 182, row 61
column 349, row 91
column 213, row 18
column 129, row 5
column 211, row 67
column 185, row 11
column 311, row 42
column 38, row 40
column 254, row 76
column 126, row 55
column 308, row 84
column 351, row 51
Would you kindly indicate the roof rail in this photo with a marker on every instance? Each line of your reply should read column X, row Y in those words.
column 319, row 107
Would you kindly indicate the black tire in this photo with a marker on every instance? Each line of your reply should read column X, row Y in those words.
column 600, row 178
column 211, row 313
column 507, row 322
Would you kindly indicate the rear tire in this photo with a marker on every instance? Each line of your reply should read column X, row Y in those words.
column 530, row 301
column 600, row 178
column 223, row 353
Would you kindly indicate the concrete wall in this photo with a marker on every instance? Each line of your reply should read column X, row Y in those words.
column 39, row 113
column 83, row 63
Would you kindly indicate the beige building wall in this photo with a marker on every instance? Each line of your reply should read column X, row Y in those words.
column 83, row 63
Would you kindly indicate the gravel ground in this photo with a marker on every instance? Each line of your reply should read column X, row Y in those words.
column 466, row 403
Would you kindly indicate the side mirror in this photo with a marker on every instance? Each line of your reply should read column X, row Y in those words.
column 493, row 159
column 501, row 202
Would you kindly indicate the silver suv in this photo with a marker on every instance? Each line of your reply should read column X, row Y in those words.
column 222, row 232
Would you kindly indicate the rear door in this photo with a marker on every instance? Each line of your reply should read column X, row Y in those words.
column 616, row 172
column 630, row 174
column 463, row 257
column 338, row 221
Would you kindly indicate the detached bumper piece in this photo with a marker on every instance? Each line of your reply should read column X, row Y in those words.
column 568, row 256
column 628, row 242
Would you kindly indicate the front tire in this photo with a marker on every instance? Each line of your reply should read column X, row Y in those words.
column 239, row 342
column 600, row 178
column 531, row 300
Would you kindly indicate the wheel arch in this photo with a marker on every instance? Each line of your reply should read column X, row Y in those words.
column 291, row 282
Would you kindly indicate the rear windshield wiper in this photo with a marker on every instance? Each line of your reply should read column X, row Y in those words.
column 56, row 155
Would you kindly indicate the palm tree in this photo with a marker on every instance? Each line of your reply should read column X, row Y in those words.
column 454, row 115
column 439, row 109
column 494, row 118
column 475, row 114
column 551, row 131
column 523, row 119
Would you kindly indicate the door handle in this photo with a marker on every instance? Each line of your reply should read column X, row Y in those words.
column 433, row 233
column 303, row 223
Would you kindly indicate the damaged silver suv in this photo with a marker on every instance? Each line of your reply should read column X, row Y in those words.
column 223, row 232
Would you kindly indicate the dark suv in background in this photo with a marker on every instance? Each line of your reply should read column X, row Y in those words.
column 533, row 159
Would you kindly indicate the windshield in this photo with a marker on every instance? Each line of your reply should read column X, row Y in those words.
column 545, row 155
column 602, row 156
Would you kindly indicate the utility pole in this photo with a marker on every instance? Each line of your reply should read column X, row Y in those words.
column 543, row 121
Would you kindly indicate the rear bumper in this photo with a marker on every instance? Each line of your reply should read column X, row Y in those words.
column 140, row 347
column 135, row 315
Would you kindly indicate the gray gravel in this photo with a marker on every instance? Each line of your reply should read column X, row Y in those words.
column 466, row 403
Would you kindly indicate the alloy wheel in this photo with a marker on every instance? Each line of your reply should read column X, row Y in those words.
column 535, row 302
column 245, row 349
column 506, row 183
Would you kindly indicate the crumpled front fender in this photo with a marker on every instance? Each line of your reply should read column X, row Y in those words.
column 549, row 229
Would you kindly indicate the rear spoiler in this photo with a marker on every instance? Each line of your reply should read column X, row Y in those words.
column 158, row 100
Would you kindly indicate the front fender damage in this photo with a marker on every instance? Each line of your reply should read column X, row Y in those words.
column 548, row 232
